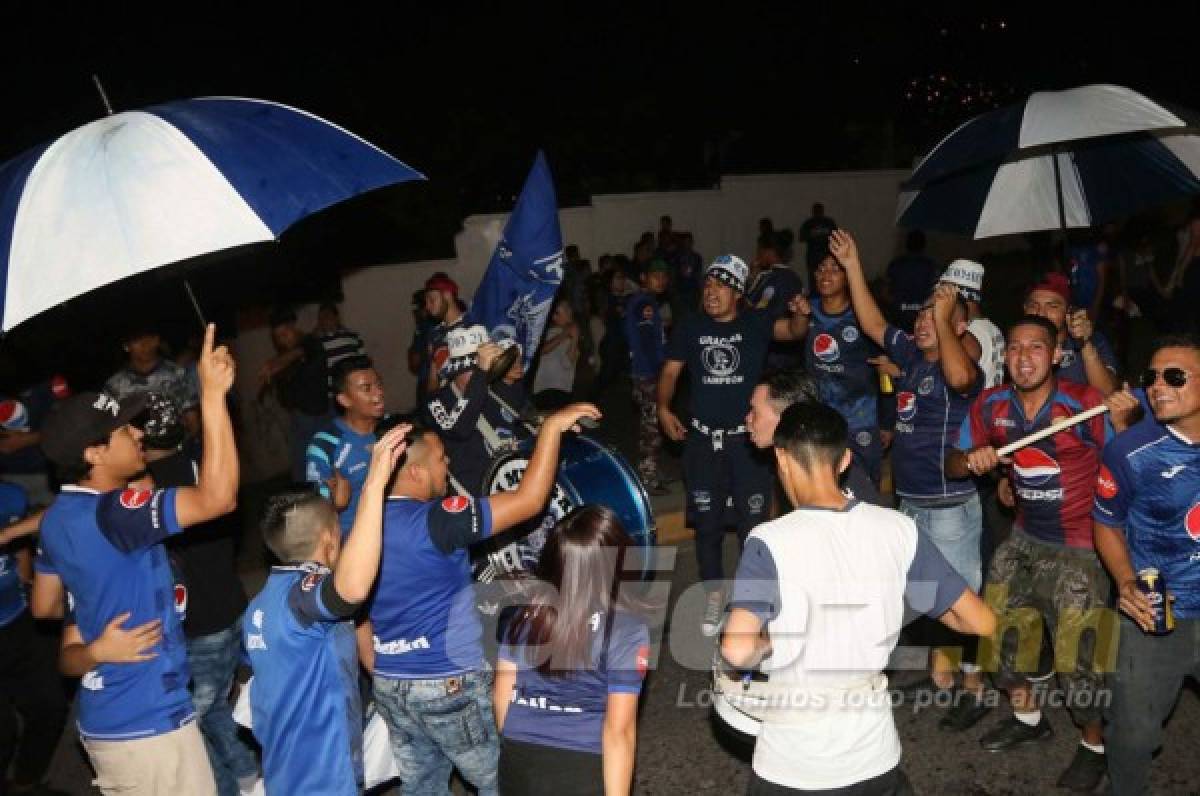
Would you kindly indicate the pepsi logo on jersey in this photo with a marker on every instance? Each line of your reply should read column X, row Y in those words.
column 1192, row 522
column 1035, row 467
column 825, row 347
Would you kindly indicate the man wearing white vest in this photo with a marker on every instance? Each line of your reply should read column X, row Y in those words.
column 828, row 581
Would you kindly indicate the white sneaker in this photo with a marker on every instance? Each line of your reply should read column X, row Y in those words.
column 713, row 610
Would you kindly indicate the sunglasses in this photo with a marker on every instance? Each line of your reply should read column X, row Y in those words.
column 1173, row 377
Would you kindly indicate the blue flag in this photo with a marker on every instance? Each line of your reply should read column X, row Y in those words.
column 516, row 294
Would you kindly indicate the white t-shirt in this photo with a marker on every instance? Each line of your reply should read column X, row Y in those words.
column 991, row 350
column 831, row 586
column 556, row 371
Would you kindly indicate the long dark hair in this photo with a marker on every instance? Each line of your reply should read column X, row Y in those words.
column 578, row 576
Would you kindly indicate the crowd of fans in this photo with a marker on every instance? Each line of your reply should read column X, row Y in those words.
column 779, row 387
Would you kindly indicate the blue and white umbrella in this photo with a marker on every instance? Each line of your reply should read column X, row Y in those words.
column 141, row 189
column 1060, row 159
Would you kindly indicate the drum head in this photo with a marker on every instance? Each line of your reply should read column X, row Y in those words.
column 589, row 473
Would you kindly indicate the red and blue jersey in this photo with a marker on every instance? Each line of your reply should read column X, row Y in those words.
column 423, row 613
column 836, row 354
column 928, row 417
column 107, row 550
column 1149, row 487
column 1053, row 479
column 304, row 698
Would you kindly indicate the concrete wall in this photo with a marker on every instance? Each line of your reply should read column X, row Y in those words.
column 724, row 219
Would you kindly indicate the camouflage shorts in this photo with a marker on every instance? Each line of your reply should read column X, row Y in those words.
column 649, row 435
column 1037, row 589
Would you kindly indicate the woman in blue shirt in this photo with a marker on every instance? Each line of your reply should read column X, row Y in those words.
column 571, row 665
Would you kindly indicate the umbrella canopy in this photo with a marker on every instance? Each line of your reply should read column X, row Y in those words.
column 1059, row 159
column 141, row 189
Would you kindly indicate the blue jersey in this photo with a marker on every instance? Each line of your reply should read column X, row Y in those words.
column 1071, row 367
column 1149, row 487
column 724, row 360
column 13, row 505
column 836, row 354
column 341, row 448
column 928, row 417
column 423, row 612
column 304, row 698
column 568, row 712
column 107, row 550
column 645, row 331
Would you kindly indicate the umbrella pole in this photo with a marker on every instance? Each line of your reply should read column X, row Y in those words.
column 1062, row 215
column 187, row 285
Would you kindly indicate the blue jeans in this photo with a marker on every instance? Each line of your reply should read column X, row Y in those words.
column 214, row 660
column 956, row 532
column 438, row 725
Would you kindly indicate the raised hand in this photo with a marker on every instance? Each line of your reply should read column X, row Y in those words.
column 1079, row 325
column 945, row 296
column 215, row 366
column 386, row 451
column 800, row 305
column 567, row 418
column 843, row 248
column 487, row 353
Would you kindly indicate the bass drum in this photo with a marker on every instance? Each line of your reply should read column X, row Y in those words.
column 589, row 472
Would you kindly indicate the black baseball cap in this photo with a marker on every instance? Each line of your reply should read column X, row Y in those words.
column 76, row 423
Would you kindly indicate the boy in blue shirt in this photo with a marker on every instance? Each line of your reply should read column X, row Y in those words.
column 337, row 456
column 300, row 640
column 102, row 542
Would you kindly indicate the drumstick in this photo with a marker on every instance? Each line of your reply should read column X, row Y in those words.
column 1061, row 425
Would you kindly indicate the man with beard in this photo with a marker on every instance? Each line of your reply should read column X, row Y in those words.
column 1046, row 573
column 724, row 351
column 339, row 454
column 1147, row 515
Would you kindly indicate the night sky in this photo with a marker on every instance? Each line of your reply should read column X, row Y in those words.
column 645, row 96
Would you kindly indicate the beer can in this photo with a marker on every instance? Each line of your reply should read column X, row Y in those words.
column 1151, row 583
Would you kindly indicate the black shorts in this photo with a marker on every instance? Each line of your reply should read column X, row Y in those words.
column 532, row 770
column 889, row 783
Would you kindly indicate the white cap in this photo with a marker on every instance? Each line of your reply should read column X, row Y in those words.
column 730, row 270
column 967, row 276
